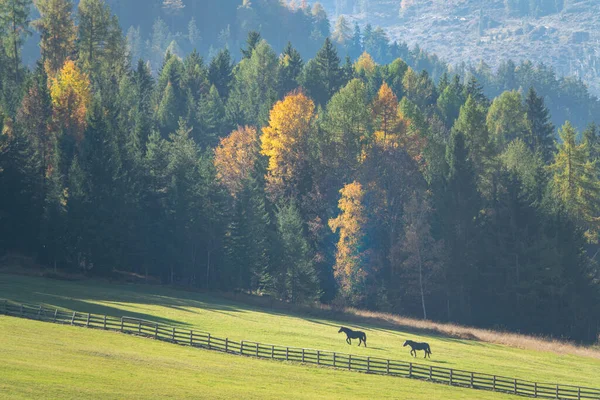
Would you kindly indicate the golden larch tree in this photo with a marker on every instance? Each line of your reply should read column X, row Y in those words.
column 350, row 255
column 235, row 158
column 71, row 96
column 285, row 142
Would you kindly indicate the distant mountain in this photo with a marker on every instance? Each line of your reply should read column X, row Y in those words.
column 560, row 33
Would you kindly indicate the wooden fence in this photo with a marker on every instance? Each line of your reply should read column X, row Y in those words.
column 373, row 365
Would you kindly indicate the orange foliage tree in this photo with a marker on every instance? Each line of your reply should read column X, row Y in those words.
column 385, row 111
column 235, row 158
column 71, row 96
column 351, row 255
column 285, row 142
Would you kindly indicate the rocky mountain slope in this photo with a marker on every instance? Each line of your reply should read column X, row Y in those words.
column 561, row 33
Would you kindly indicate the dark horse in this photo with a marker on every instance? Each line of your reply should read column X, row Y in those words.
column 350, row 334
column 414, row 346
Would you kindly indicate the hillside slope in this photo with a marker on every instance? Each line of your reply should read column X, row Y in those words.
column 472, row 30
column 238, row 321
column 47, row 361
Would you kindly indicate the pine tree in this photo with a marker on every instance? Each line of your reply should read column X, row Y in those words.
column 322, row 76
column 457, row 212
column 342, row 32
column 220, row 73
column 251, row 42
column 211, row 119
column 14, row 22
column 254, row 88
column 355, row 47
column 57, row 31
column 297, row 277
column 450, row 101
column 576, row 181
column 96, row 30
column 540, row 130
column 290, row 68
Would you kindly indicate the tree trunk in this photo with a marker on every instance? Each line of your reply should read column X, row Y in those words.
column 421, row 281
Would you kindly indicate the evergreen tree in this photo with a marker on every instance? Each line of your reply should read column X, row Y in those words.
column 254, row 88
column 355, row 47
column 576, row 181
column 57, row 31
column 14, row 23
column 540, row 131
column 457, row 212
column 322, row 76
column 251, row 42
column 296, row 276
column 211, row 119
column 220, row 73
column 290, row 68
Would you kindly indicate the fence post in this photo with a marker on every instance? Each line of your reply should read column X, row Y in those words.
column 349, row 361
column 494, row 386
column 515, row 386
column 121, row 324
column 287, row 353
column 257, row 351
column 534, row 389
column 303, row 354
column 334, row 359
column 191, row 338
column 208, row 344
column 104, row 325
column 451, row 372
column 272, row 351
column 55, row 315
column 87, row 323
column 242, row 347
column 368, row 364
column 73, row 318
column 173, row 335
column 318, row 357
column 139, row 327
column 226, row 345
column 387, row 367
column 430, row 373
column 471, row 380
column 155, row 331
column 410, row 370
column 578, row 393
column 557, row 391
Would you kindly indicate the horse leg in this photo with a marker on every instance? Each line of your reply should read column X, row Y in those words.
column 349, row 341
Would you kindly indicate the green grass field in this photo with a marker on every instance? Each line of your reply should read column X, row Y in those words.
column 226, row 318
column 42, row 360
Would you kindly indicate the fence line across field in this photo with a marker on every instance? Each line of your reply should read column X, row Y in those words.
column 374, row 365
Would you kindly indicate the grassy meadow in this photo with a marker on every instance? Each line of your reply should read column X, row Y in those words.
column 47, row 361
column 228, row 318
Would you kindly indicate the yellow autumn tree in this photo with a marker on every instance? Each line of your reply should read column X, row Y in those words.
column 350, row 255
column 71, row 96
column 385, row 113
column 285, row 142
column 235, row 157
column 365, row 63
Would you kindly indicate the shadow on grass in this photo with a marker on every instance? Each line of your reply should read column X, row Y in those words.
column 83, row 295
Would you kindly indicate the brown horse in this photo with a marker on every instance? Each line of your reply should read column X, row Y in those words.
column 350, row 334
column 414, row 346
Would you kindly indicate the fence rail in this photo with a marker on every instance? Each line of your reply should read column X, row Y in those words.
column 374, row 365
